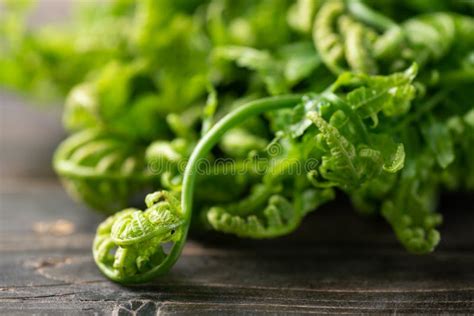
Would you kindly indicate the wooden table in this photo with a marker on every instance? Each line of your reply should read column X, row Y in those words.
column 337, row 263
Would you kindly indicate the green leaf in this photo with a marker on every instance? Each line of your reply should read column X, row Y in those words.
column 264, row 63
column 391, row 94
column 340, row 166
column 299, row 60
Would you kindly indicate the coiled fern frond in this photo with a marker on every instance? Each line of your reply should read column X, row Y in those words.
column 426, row 38
column 350, row 36
column 129, row 245
column 100, row 169
column 278, row 217
column 343, row 42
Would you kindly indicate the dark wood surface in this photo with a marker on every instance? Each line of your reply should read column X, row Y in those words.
column 337, row 262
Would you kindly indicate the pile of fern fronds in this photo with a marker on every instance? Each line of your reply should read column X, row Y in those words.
column 382, row 111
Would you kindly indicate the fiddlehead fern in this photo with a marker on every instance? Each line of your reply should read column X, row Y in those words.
column 424, row 39
column 430, row 36
column 279, row 217
column 327, row 40
column 101, row 169
column 350, row 152
column 349, row 161
column 351, row 36
column 343, row 42
column 129, row 245
column 410, row 209
column 358, row 46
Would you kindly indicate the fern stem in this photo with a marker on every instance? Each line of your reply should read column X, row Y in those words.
column 365, row 14
column 456, row 77
column 207, row 142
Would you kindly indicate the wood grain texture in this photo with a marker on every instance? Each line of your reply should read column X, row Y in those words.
column 361, row 270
